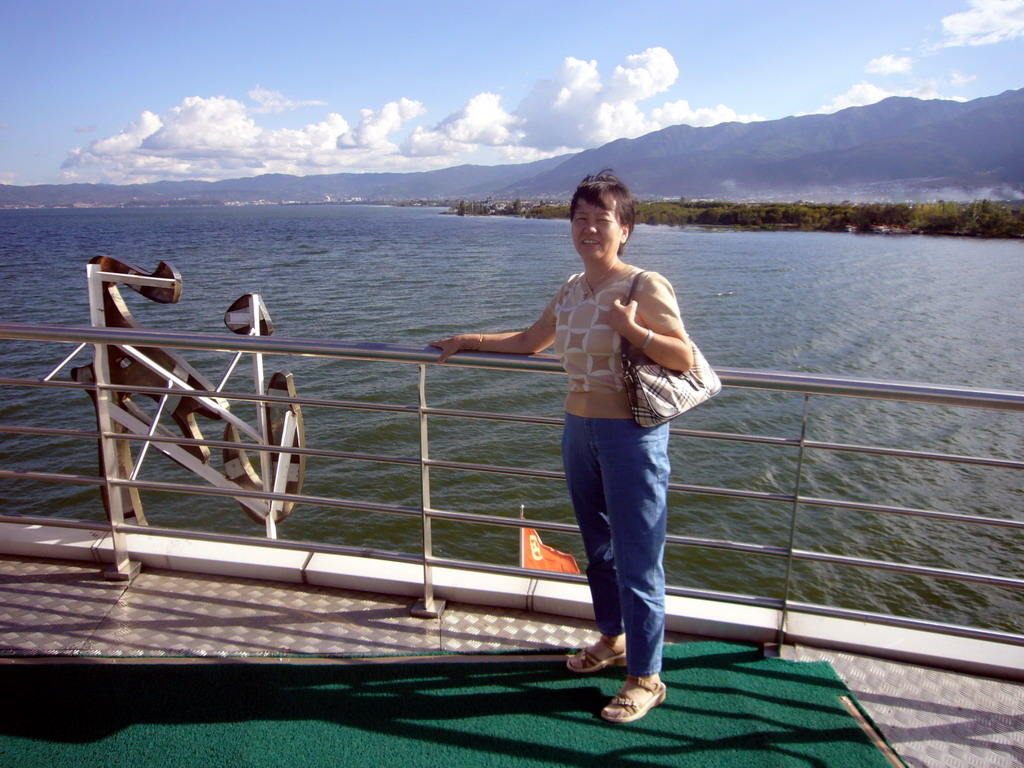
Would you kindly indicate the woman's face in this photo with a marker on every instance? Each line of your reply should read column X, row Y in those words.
column 596, row 232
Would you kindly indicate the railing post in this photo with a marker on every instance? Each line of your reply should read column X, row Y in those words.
column 792, row 524
column 123, row 568
column 428, row 607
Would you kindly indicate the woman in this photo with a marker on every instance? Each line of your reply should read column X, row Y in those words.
column 617, row 471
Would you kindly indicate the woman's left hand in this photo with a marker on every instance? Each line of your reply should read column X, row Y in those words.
column 622, row 317
column 670, row 349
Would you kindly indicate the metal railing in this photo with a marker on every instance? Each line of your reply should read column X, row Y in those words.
column 806, row 385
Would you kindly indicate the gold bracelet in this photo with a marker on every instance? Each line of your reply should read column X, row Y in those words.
column 480, row 343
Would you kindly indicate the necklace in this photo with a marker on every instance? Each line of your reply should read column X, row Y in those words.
column 590, row 290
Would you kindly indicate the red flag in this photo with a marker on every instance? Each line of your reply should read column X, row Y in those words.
column 533, row 553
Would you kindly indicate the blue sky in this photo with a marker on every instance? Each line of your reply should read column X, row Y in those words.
column 121, row 92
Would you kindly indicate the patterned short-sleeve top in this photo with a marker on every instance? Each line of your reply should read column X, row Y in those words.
column 584, row 340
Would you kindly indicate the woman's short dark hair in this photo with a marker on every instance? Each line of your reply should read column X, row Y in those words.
column 609, row 192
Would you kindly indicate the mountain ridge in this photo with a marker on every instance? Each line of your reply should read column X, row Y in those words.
column 934, row 144
column 899, row 148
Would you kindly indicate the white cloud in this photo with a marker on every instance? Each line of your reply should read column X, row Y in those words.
column 375, row 127
column 987, row 22
column 959, row 79
column 644, row 75
column 483, row 121
column 274, row 102
column 305, row 150
column 220, row 137
column 207, row 138
column 680, row 113
column 203, row 126
column 864, row 93
column 889, row 64
column 127, row 141
column 575, row 109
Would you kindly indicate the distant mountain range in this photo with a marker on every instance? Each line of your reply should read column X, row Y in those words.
column 898, row 149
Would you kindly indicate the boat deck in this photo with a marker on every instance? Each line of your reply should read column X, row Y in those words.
column 60, row 611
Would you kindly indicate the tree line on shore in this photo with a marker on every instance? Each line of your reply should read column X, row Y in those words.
column 980, row 218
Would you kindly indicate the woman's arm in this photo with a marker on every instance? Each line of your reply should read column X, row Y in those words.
column 537, row 337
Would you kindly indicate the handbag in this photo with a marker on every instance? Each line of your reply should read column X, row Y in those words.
column 658, row 394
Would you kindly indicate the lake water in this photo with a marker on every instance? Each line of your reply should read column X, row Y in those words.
column 934, row 310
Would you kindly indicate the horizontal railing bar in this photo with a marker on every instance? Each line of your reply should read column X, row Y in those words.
column 900, row 453
column 325, row 453
column 513, row 570
column 363, row 405
column 737, row 437
column 728, row 546
column 495, row 469
column 237, row 493
column 498, row 520
column 731, row 377
column 909, row 570
column 931, row 514
column 927, row 625
column 504, row 570
column 952, row 517
column 707, row 490
column 273, row 345
column 844, row 560
column 360, row 405
column 49, row 431
column 773, row 603
column 489, row 416
column 47, row 384
column 51, row 477
column 57, row 522
column 257, row 448
column 553, row 421
column 910, row 392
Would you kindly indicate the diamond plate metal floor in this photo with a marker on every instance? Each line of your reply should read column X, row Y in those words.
column 935, row 718
column 56, row 609
column 50, row 607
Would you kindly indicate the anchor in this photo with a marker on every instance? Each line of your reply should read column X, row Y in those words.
column 130, row 369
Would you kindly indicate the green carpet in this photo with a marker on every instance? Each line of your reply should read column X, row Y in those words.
column 727, row 706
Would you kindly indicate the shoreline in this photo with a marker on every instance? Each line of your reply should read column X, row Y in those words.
column 980, row 218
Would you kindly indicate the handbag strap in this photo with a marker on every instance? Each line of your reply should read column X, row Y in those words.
column 628, row 351
column 632, row 287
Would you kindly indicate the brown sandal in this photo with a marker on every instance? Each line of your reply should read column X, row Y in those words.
column 636, row 698
column 595, row 658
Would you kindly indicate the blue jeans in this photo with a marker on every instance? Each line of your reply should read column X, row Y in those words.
column 617, row 473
